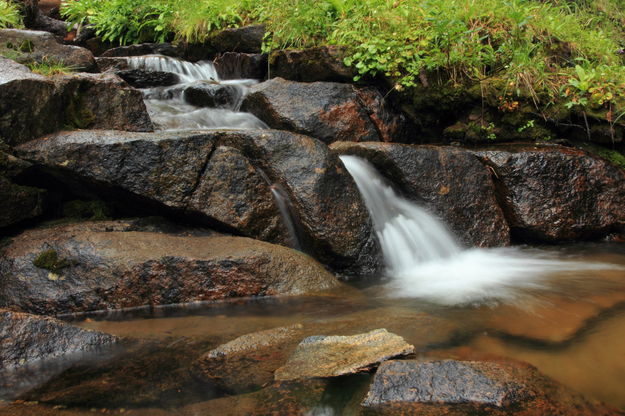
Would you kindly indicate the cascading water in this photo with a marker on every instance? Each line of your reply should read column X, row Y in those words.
column 423, row 260
column 168, row 106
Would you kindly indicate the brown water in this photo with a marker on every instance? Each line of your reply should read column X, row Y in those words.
column 571, row 328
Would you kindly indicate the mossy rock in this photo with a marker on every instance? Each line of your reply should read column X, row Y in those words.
column 51, row 261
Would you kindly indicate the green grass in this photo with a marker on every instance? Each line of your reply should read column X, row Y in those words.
column 549, row 53
column 9, row 15
column 50, row 67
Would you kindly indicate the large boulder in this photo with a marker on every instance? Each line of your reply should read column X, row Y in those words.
column 17, row 203
column 247, row 39
column 92, row 266
column 140, row 49
column 140, row 78
column 450, row 387
column 323, row 63
column 223, row 178
column 556, row 193
column 28, row 46
column 32, row 105
column 451, row 182
column 26, row 338
column 327, row 111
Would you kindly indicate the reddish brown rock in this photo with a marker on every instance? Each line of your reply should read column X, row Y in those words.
column 556, row 193
column 451, row 182
column 91, row 266
column 327, row 111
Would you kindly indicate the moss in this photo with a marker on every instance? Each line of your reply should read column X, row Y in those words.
column 76, row 115
column 91, row 210
column 613, row 156
column 51, row 261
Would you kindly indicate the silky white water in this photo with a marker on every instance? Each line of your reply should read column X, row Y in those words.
column 169, row 110
column 423, row 259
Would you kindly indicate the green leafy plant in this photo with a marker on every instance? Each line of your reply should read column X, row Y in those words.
column 9, row 15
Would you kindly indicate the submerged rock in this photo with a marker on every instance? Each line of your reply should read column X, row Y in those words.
column 205, row 94
column 28, row 46
column 92, row 266
column 217, row 177
column 452, row 183
column 25, row 338
column 327, row 111
column 555, row 193
column 324, row 63
column 451, row 387
column 248, row 362
column 332, row 356
column 33, row 105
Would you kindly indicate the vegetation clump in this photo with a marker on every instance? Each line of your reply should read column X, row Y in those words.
column 51, row 261
column 10, row 16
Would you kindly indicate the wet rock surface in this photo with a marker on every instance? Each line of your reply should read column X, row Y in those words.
column 26, row 46
column 235, row 65
column 204, row 94
column 25, row 338
column 327, row 111
column 450, row 387
column 166, row 49
column 17, row 203
column 332, row 356
column 247, row 39
column 92, row 266
column 450, row 182
column 555, row 193
column 147, row 79
column 309, row 65
column 172, row 169
column 33, row 105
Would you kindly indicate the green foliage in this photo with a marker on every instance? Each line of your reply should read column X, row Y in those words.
column 49, row 67
column 9, row 15
column 546, row 52
column 51, row 261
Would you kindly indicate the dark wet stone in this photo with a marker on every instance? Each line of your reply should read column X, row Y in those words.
column 17, row 203
column 248, row 39
column 102, row 265
column 27, row 46
column 332, row 356
column 205, row 94
column 327, row 111
column 173, row 169
column 112, row 64
column 449, row 387
column 166, row 49
column 139, row 78
column 235, row 65
column 556, row 193
column 25, row 338
column 451, row 182
column 324, row 63
column 33, row 105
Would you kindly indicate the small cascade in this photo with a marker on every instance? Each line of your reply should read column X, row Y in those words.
column 170, row 107
column 424, row 261
column 283, row 202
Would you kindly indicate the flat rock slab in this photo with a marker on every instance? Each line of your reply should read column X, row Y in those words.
column 444, row 381
column 25, row 338
column 92, row 266
column 332, row 356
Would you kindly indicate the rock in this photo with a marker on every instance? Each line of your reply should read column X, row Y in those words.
column 166, row 49
column 324, row 63
column 332, row 356
column 205, row 94
column 139, row 78
column 451, row 182
column 451, row 387
column 17, row 203
column 235, row 65
column 556, row 193
column 32, row 105
column 176, row 171
column 248, row 362
column 26, row 46
column 248, row 39
column 92, row 266
column 25, row 338
column 112, row 64
column 327, row 111
column 48, row 24
column 102, row 101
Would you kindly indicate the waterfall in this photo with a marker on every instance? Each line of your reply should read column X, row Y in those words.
column 169, row 107
column 424, row 261
column 284, row 205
